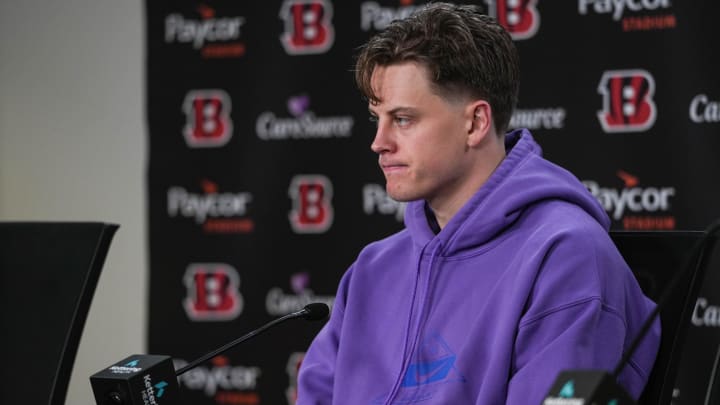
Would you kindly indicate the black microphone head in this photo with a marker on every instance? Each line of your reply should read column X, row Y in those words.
column 316, row 311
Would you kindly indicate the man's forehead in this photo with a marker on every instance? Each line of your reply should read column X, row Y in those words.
column 384, row 75
column 399, row 86
column 411, row 81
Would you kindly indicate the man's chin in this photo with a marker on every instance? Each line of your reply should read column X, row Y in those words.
column 400, row 196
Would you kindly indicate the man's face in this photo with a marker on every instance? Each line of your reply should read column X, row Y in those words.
column 421, row 137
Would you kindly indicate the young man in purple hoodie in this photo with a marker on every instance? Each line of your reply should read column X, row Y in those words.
column 504, row 274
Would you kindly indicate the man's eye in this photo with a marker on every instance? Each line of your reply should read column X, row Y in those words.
column 402, row 121
column 373, row 119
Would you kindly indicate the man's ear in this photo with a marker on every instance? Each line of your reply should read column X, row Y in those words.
column 480, row 123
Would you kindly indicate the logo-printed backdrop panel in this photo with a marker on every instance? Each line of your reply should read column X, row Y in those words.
column 262, row 187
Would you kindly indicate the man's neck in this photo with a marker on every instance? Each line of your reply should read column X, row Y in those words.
column 432, row 221
column 446, row 206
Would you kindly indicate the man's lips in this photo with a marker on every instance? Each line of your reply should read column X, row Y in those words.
column 392, row 166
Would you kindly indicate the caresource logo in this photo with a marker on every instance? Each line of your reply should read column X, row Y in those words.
column 377, row 201
column 628, row 104
column 519, row 17
column 303, row 124
column 214, row 37
column 225, row 383
column 213, row 292
column 705, row 314
column 539, row 118
column 216, row 212
column 704, row 110
column 308, row 26
column 207, row 118
column 278, row 303
column 374, row 16
column 636, row 206
column 646, row 15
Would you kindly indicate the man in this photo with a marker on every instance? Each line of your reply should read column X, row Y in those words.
column 505, row 273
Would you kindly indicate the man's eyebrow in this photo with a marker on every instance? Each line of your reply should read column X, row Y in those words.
column 401, row 109
column 395, row 110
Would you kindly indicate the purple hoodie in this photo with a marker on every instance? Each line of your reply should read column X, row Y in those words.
column 522, row 283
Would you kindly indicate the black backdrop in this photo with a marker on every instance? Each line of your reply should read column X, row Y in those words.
column 262, row 186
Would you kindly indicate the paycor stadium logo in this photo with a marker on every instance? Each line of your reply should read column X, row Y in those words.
column 376, row 201
column 211, row 35
column 377, row 17
column 214, row 211
column 634, row 15
column 221, row 381
column 636, row 207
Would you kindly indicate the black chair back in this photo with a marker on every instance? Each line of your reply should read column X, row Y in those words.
column 48, row 274
column 659, row 259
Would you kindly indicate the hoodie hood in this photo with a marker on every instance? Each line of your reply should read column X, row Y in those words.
column 522, row 179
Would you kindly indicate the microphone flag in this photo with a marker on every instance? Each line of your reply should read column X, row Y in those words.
column 137, row 380
column 586, row 387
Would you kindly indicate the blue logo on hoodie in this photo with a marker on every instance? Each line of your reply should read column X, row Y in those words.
column 432, row 366
column 429, row 372
column 434, row 362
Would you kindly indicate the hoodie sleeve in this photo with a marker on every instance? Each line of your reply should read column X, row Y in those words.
column 317, row 371
column 584, row 310
column 583, row 335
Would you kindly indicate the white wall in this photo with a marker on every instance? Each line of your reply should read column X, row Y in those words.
column 73, row 147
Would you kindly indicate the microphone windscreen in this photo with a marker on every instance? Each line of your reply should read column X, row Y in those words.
column 316, row 311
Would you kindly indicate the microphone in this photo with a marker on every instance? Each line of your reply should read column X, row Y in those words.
column 311, row 312
column 152, row 379
column 600, row 387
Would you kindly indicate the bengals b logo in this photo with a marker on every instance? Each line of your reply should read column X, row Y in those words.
column 213, row 292
column 312, row 210
column 293, row 369
column 208, row 121
column 628, row 104
column 308, row 26
column 519, row 17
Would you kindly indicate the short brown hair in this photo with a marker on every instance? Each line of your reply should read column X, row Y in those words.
column 465, row 51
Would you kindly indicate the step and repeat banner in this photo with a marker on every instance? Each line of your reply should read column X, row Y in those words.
column 262, row 187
